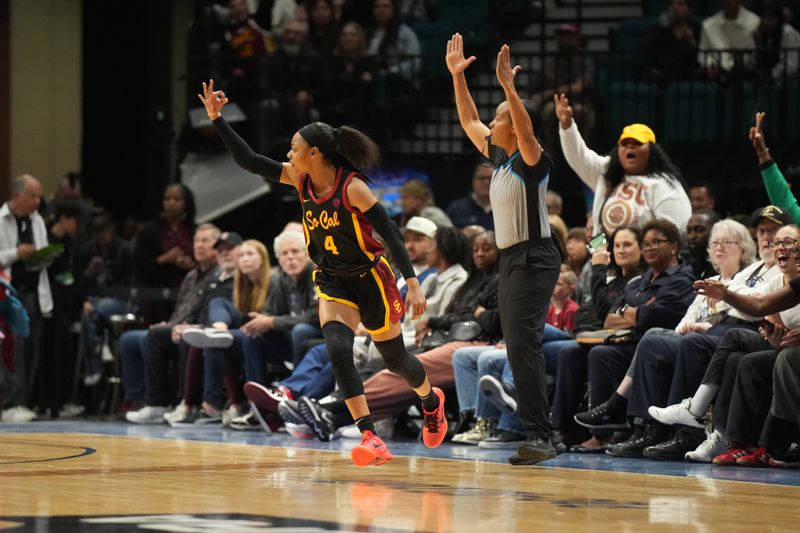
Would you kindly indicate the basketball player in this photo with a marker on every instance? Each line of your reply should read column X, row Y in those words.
column 529, row 259
column 354, row 281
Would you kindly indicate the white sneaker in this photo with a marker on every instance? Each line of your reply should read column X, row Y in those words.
column 17, row 414
column 677, row 414
column 247, row 422
column 302, row 431
column 207, row 337
column 229, row 414
column 106, row 355
column 149, row 414
column 499, row 394
column 715, row 444
column 348, row 432
column 177, row 414
column 480, row 431
column 70, row 410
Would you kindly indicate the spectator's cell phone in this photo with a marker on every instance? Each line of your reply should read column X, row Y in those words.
column 597, row 242
column 768, row 326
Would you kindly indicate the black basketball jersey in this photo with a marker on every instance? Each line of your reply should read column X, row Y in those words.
column 338, row 236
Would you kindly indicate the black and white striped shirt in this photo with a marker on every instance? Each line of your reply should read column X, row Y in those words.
column 518, row 194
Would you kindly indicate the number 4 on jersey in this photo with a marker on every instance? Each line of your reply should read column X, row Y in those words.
column 330, row 245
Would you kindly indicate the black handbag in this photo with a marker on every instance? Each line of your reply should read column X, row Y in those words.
column 467, row 330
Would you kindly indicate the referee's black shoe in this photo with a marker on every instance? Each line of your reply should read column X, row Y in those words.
column 533, row 451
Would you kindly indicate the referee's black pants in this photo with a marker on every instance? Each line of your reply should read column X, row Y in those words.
column 528, row 275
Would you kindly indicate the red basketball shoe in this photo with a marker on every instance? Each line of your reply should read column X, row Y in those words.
column 435, row 429
column 372, row 451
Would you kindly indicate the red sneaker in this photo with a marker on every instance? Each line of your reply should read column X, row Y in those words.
column 759, row 458
column 435, row 428
column 730, row 457
column 286, row 392
column 265, row 398
column 371, row 451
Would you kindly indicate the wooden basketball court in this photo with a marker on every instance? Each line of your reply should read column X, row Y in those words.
column 89, row 482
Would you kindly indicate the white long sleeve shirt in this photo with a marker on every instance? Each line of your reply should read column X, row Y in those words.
column 636, row 200
column 9, row 238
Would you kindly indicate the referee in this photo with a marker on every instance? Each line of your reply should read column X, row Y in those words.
column 529, row 259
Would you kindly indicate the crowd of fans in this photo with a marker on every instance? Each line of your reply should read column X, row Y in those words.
column 636, row 359
column 354, row 61
column 357, row 62
column 639, row 363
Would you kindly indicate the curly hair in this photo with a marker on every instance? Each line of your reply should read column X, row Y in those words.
column 658, row 164
column 666, row 227
column 451, row 245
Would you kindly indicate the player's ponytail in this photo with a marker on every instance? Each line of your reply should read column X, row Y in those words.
column 357, row 148
column 342, row 146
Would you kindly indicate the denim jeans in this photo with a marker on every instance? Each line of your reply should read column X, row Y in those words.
column 495, row 364
column 469, row 365
column 465, row 367
column 130, row 348
column 301, row 334
column 552, row 333
column 223, row 310
column 251, row 352
column 313, row 377
column 94, row 327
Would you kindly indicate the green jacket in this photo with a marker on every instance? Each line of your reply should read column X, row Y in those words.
column 778, row 190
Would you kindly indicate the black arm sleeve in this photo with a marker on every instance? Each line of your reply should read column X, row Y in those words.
column 387, row 229
column 244, row 156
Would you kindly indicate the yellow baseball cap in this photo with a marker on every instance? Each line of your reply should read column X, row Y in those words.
column 637, row 132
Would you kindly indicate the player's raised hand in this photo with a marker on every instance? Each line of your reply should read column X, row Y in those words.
column 212, row 100
column 506, row 74
column 563, row 110
column 456, row 63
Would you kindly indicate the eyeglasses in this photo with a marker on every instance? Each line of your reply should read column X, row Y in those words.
column 787, row 244
column 723, row 244
column 655, row 243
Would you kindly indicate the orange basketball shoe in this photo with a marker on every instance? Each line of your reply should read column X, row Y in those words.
column 371, row 451
column 435, row 429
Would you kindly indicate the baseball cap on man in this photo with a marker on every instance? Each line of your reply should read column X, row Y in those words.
column 422, row 226
column 229, row 238
column 772, row 213
column 637, row 132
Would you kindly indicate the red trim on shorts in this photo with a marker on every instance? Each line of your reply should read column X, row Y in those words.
column 389, row 283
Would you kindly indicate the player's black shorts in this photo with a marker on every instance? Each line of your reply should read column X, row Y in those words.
column 373, row 293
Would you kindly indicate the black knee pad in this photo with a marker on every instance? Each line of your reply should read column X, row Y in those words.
column 399, row 361
column 339, row 340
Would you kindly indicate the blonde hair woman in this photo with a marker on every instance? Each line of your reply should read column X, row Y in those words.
column 251, row 278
